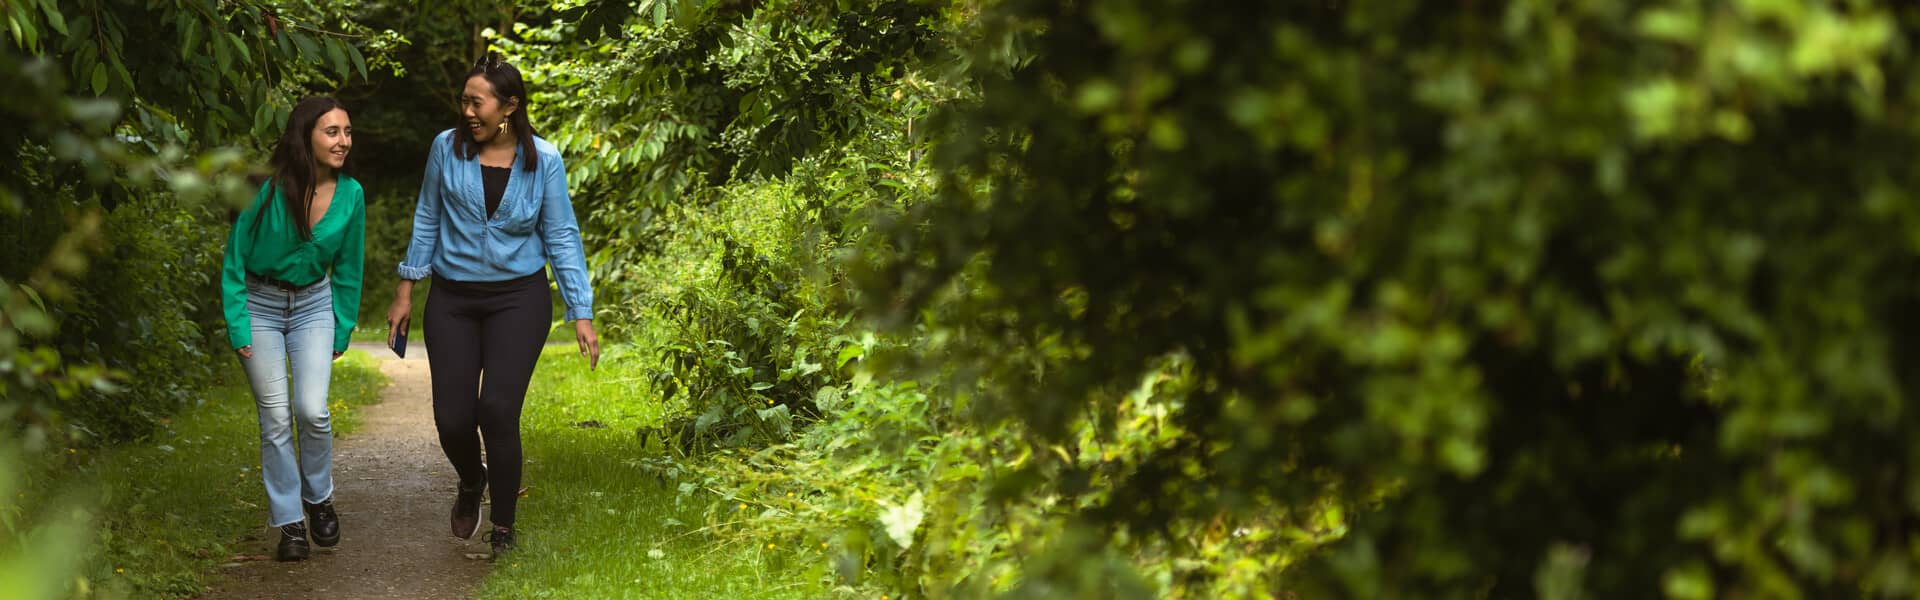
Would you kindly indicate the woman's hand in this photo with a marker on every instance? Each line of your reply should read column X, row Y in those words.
column 400, row 310
column 245, row 352
column 589, row 342
column 337, row 355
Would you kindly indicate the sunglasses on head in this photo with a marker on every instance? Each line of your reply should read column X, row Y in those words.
column 488, row 61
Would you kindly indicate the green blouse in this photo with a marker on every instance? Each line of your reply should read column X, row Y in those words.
column 275, row 250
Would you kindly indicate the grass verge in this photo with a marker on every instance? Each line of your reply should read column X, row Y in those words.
column 594, row 525
column 166, row 509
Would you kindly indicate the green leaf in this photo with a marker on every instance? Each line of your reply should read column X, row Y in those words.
column 359, row 61
column 847, row 354
column 901, row 521
column 685, row 13
column 262, row 122
column 24, row 32
column 33, row 296
column 339, row 59
column 222, row 57
column 309, row 49
column 120, row 69
column 99, row 79
column 83, row 61
column 240, row 48
column 190, row 38
column 54, row 18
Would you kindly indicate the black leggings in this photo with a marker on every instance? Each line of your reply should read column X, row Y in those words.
column 495, row 329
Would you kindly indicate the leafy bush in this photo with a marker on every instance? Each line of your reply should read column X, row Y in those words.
column 747, row 334
column 125, row 163
column 1557, row 298
column 149, row 309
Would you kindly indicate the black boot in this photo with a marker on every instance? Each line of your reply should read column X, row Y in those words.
column 326, row 524
column 293, row 543
column 502, row 540
column 466, row 510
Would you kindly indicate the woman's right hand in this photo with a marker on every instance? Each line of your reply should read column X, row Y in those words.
column 246, row 352
column 397, row 316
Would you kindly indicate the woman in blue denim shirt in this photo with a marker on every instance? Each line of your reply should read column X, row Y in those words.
column 493, row 212
column 290, row 289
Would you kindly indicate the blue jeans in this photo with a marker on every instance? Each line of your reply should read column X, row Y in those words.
column 292, row 334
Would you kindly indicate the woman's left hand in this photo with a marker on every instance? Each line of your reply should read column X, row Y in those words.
column 337, row 355
column 589, row 342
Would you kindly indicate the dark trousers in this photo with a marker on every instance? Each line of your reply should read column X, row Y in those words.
column 483, row 339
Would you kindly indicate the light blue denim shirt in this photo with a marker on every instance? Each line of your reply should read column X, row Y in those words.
column 533, row 226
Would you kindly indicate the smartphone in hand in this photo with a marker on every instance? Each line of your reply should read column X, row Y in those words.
column 400, row 340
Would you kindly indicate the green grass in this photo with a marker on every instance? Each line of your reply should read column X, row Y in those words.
column 595, row 526
column 168, row 508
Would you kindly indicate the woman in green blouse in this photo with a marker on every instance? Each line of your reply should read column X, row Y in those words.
column 290, row 286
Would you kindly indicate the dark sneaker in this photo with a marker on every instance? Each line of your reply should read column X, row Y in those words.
column 326, row 524
column 293, row 543
column 501, row 539
column 466, row 510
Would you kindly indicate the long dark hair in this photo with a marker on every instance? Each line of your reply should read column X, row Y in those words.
column 293, row 161
column 507, row 87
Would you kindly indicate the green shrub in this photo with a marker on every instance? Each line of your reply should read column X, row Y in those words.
column 747, row 332
column 150, row 309
column 1553, row 298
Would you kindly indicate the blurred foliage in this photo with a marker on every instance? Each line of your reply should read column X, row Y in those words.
column 124, row 166
column 40, row 553
column 127, row 167
column 1548, row 296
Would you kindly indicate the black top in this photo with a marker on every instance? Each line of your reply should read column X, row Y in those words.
column 496, row 181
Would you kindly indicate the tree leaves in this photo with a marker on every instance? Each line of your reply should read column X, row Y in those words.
column 1478, row 282
column 359, row 61
column 338, row 56
column 309, row 48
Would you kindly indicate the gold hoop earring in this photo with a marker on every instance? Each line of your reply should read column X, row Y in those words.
column 503, row 127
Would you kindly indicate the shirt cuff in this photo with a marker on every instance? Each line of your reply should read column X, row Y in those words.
column 575, row 313
column 413, row 273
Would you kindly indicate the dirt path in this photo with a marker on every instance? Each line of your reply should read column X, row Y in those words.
column 392, row 489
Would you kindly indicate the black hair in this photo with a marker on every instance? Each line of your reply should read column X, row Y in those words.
column 507, row 88
column 293, row 162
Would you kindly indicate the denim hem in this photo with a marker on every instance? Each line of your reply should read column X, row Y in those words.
column 324, row 498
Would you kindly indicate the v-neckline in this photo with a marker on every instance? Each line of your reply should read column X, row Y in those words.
column 331, row 203
column 479, row 182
